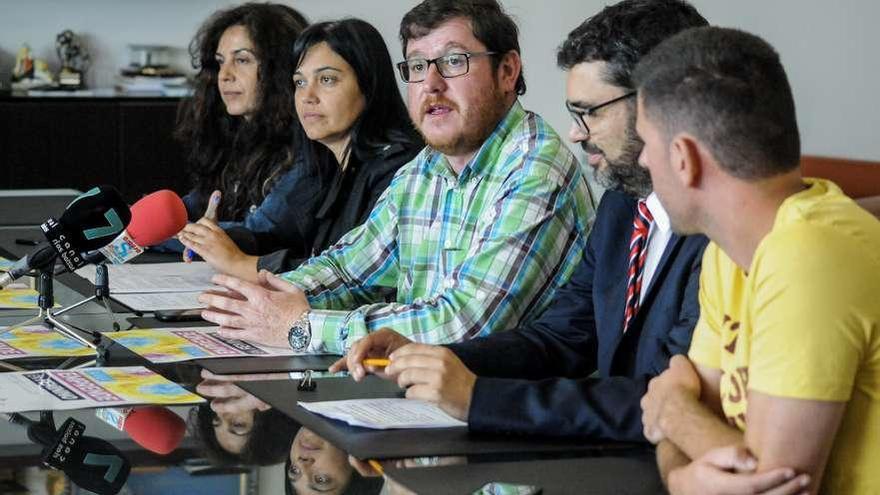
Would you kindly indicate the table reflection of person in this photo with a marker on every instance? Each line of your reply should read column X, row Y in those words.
column 316, row 466
column 238, row 428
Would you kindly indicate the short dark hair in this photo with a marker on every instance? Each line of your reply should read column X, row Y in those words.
column 621, row 34
column 385, row 119
column 729, row 89
column 490, row 23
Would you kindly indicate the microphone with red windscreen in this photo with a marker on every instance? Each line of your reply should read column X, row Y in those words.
column 154, row 219
column 154, row 428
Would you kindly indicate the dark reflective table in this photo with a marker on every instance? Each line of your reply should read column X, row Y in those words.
column 253, row 438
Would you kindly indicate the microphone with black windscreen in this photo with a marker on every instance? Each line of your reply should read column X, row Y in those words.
column 89, row 222
column 90, row 463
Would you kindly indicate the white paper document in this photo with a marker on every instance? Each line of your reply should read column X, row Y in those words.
column 156, row 286
column 384, row 414
column 155, row 277
column 160, row 300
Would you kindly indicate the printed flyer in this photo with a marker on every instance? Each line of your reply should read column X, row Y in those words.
column 88, row 388
column 39, row 341
column 19, row 294
column 169, row 345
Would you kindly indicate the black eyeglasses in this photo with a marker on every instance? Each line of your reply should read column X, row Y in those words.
column 453, row 65
column 579, row 114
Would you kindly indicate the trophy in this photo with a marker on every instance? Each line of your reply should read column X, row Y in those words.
column 74, row 60
column 29, row 73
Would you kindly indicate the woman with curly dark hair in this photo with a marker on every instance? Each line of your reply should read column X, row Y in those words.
column 240, row 126
column 354, row 129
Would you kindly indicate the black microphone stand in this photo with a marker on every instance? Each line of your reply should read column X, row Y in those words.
column 46, row 300
column 42, row 432
column 102, row 294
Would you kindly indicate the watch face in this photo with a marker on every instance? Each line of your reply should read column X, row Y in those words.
column 299, row 338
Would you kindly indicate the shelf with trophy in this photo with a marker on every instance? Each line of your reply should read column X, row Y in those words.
column 151, row 72
column 32, row 77
column 57, row 132
column 148, row 75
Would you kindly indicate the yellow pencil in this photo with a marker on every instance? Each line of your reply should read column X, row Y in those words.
column 376, row 466
column 381, row 362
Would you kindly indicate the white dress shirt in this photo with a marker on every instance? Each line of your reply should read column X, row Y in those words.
column 658, row 237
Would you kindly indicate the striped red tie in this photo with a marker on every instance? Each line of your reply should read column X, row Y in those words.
column 637, row 253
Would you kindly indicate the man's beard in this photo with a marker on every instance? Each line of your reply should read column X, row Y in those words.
column 477, row 124
column 624, row 172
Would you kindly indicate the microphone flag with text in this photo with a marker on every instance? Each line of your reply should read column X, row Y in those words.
column 154, row 428
column 155, row 218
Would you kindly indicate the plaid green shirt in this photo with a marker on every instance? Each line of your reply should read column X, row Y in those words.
column 443, row 257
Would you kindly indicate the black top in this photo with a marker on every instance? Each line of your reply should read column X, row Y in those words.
column 338, row 205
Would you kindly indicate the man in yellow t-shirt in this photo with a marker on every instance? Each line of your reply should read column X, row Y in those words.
column 783, row 380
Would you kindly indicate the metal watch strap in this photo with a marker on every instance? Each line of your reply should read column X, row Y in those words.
column 304, row 327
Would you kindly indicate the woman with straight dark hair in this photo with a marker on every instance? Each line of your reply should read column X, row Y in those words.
column 354, row 129
column 240, row 127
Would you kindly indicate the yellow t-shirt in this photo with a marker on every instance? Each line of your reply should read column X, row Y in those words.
column 803, row 323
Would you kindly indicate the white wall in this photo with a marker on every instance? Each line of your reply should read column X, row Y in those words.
column 829, row 47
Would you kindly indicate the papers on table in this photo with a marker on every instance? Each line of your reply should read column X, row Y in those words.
column 19, row 299
column 155, row 277
column 155, row 286
column 169, row 345
column 160, row 300
column 88, row 388
column 19, row 294
column 384, row 414
column 39, row 341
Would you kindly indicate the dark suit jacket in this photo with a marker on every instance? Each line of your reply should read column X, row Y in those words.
column 572, row 371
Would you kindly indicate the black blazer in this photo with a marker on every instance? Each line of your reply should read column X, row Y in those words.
column 572, row 371
column 343, row 203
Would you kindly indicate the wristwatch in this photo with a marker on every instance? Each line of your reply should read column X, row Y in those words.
column 300, row 334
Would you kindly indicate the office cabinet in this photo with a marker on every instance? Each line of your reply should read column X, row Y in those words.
column 48, row 142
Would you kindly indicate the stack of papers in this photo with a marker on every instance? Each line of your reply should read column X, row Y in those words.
column 165, row 86
column 88, row 388
column 169, row 345
column 384, row 414
column 156, row 286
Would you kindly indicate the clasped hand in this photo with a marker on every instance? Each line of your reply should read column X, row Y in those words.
column 680, row 379
column 261, row 313
column 731, row 470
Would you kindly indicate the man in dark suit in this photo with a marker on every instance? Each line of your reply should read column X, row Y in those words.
column 581, row 368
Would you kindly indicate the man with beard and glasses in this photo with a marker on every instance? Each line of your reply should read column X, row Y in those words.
column 471, row 237
column 581, row 368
